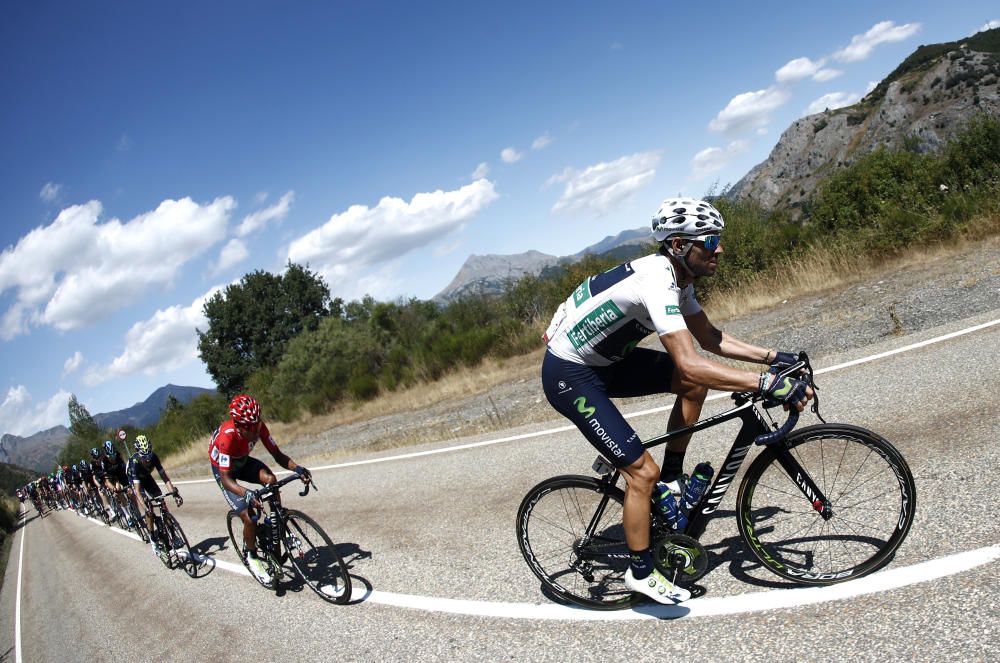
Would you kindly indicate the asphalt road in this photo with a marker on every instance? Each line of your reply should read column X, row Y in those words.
column 421, row 530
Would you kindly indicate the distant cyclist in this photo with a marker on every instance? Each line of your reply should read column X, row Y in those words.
column 116, row 474
column 229, row 452
column 592, row 357
column 140, row 473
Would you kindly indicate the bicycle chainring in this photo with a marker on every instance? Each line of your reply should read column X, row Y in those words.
column 680, row 558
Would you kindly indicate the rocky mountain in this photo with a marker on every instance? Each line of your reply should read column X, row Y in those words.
column 921, row 105
column 488, row 274
column 36, row 452
column 39, row 451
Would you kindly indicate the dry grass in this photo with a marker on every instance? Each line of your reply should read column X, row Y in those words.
column 821, row 270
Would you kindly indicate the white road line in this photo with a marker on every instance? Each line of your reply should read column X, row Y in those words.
column 776, row 599
column 17, row 602
column 632, row 415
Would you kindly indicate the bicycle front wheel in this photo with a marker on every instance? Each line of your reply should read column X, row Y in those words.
column 570, row 532
column 871, row 491
column 235, row 526
column 179, row 544
column 315, row 558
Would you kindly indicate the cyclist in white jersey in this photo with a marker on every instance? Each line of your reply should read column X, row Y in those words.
column 592, row 357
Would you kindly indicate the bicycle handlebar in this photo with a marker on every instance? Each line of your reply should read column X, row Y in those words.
column 801, row 370
column 164, row 496
column 267, row 491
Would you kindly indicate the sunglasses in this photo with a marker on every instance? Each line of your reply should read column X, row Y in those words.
column 710, row 242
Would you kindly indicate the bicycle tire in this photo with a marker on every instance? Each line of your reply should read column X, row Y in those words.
column 240, row 549
column 873, row 498
column 140, row 523
column 179, row 544
column 551, row 525
column 315, row 558
column 162, row 537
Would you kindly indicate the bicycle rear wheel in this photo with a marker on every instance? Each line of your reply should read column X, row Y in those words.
column 316, row 559
column 235, row 526
column 869, row 486
column 570, row 532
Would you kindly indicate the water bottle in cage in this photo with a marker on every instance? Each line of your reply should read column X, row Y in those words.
column 663, row 497
column 696, row 487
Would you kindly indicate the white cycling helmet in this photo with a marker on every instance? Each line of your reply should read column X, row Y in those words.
column 684, row 217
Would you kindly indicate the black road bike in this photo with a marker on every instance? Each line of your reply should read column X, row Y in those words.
column 286, row 535
column 171, row 542
column 821, row 505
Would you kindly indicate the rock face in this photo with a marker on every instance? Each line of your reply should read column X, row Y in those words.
column 487, row 275
column 36, row 452
column 921, row 105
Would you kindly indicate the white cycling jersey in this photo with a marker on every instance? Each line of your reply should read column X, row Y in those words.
column 608, row 314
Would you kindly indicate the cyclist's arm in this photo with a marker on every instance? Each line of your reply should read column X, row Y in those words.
column 715, row 340
column 277, row 454
column 695, row 368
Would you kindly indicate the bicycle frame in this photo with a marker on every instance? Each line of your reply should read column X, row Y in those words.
column 755, row 430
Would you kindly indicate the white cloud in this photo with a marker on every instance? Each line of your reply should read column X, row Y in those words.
column 600, row 187
column 824, row 75
column 233, row 253
column 50, row 191
column 510, row 155
column 19, row 415
column 363, row 236
column 124, row 143
column 481, row 171
column 73, row 363
column 714, row 159
column 165, row 341
column 541, row 142
column 861, row 46
column 797, row 70
column 832, row 100
column 989, row 25
column 260, row 197
column 750, row 109
column 76, row 271
column 257, row 220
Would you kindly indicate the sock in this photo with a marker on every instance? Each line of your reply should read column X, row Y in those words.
column 673, row 465
column 641, row 563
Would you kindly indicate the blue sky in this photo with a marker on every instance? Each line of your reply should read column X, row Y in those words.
column 154, row 152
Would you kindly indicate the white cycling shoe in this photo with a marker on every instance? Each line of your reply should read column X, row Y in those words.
column 656, row 587
column 258, row 569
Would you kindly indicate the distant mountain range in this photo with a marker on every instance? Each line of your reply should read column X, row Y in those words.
column 489, row 274
column 39, row 451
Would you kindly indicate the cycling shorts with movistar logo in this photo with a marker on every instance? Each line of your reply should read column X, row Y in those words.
column 583, row 395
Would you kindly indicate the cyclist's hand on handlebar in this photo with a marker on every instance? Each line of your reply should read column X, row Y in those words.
column 178, row 499
column 303, row 472
column 783, row 360
column 250, row 497
column 787, row 390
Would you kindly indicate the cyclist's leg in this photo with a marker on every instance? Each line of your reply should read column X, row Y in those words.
column 151, row 489
column 579, row 394
column 646, row 371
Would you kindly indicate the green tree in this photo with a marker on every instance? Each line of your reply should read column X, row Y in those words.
column 84, row 433
column 251, row 322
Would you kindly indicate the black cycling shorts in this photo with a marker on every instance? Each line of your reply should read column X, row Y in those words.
column 249, row 473
column 583, row 395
